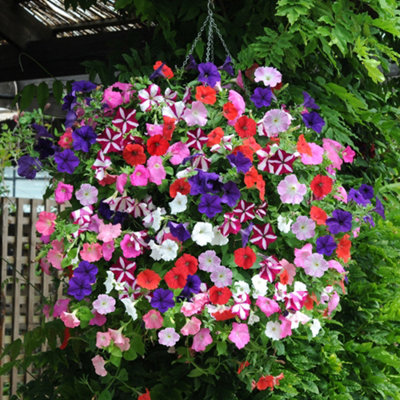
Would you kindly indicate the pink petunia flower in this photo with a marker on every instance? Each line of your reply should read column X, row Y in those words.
column 121, row 182
column 191, row 327
column 99, row 363
column 107, row 249
column 179, row 152
column 108, row 232
column 91, row 252
column 98, row 319
column 55, row 257
column 267, row 306
column 302, row 254
column 197, row 115
column 268, row 75
column 239, row 335
column 103, row 339
column 315, row 265
column 201, row 340
column 63, row 192
column 332, row 148
column 70, row 319
column 348, row 155
column 276, row 121
column 130, row 247
column 333, row 302
column 60, row 306
column 317, row 155
column 221, row 276
column 291, row 191
column 153, row 320
column 156, row 170
column 237, row 100
column 46, row 223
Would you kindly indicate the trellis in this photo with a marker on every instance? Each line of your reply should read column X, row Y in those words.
column 22, row 289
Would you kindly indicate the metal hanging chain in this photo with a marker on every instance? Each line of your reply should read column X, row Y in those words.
column 212, row 27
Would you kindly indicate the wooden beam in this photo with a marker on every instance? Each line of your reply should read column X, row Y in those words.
column 97, row 24
column 63, row 56
column 18, row 26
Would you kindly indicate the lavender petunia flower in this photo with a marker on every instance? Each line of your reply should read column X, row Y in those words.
column 192, row 64
column 66, row 161
column 261, row 97
column 246, row 234
column 379, row 209
column 208, row 74
column 83, row 138
column 210, row 205
column 313, row 121
column 326, row 245
column 341, row 221
column 28, row 167
column 162, row 299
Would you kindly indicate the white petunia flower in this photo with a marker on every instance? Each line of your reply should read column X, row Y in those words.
column 315, row 327
column 155, row 250
column 169, row 250
column 202, row 233
column 130, row 307
column 284, row 224
column 253, row 318
column 109, row 282
column 297, row 318
column 259, row 286
column 153, row 220
column 179, row 203
column 219, row 239
column 273, row 330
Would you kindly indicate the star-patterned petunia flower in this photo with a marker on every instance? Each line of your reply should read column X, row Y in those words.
column 262, row 236
column 230, row 225
column 125, row 120
column 270, row 268
column 110, row 141
column 244, row 210
column 124, row 270
column 280, row 163
column 197, row 139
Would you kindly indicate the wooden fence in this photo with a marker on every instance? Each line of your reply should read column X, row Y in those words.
column 21, row 289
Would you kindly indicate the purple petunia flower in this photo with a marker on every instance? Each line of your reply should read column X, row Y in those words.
column 69, row 102
column 157, row 73
column 28, row 167
column 231, row 194
column 240, row 161
column 83, row 86
column 228, row 66
column 366, row 191
column 192, row 286
column 192, row 64
column 83, row 138
column 44, row 147
column 66, row 161
column 162, row 299
column 261, row 97
column 204, row 182
column 179, row 231
column 210, row 205
column 79, row 288
column 246, row 234
column 309, row 102
column 70, row 118
column 41, row 131
column 313, row 121
column 379, row 209
column 326, row 245
column 357, row 197
column 208, row 74
column 339, row 222
column 86, row 271
column 369, row 220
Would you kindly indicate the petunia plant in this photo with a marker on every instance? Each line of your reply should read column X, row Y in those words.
column 199, row 216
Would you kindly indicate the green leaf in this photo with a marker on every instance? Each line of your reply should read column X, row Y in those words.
column 130, row 354
column 27, row 95
column 195, row 373
column 13, row 349
column 137, row 344
column 58, row 90
column 105, row 395
column 221, row 348
column 42, row 94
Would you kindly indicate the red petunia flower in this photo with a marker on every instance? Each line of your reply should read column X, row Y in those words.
column 343, row 248
column 245, row 257
column 242, row 366
column 215, row 136
column 223, row 315
column 67, row 335
column 269, row 381
column 176, row 278
column 229, row 110
column 303, row 147
column 166, row 71
column 219, row 295
column 145, row 396
column 321, row 186
column 245, row 127
column 157, row 145
column 168, row 127
column 318, row 215
column 181, row 186
column 189, row 262
column 148, row 279
column 134, row 154
column 206, row 94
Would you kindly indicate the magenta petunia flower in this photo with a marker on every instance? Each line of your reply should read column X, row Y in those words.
column 140, row 176
column 63, row 192
column 156, row 170
column 267, row 306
